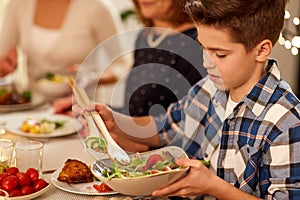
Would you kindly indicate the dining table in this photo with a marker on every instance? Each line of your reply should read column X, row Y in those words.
column 56, row 151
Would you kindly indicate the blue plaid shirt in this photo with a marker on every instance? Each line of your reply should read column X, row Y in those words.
column 259, row 141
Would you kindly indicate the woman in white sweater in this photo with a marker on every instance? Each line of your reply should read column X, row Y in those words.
column 55, row 34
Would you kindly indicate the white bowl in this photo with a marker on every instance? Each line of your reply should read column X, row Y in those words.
column 143, row 185
column 51, row 89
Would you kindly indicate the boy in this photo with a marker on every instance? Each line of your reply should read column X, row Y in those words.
column 242, row 118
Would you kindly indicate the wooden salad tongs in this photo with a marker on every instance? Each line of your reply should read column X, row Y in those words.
column 115, row 152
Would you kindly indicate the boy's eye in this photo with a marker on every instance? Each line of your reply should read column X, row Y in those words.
column 221, row 55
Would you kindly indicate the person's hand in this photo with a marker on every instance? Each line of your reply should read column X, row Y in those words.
column 198, row 181
column 104, row 111
column 73, row 69
column 63, row 106
column 8, row 62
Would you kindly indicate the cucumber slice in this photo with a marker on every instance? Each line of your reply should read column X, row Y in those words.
column 102, row 144
column 96, row 143
column 90, row 140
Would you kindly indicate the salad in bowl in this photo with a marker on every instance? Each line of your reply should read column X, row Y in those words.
column 147, row 171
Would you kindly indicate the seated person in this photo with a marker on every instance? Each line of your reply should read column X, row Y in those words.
column 55, row 35
column 242, row 118
column 158, row 62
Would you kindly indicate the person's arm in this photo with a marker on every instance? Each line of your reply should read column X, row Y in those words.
column 137, row 129
column 109, row 29
column 9, row 33
column 200, row 180
column 8, row 39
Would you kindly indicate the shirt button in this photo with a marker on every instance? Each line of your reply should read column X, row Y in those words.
column 205, row 155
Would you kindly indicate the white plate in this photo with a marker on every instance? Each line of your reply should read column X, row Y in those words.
column 78, row 188
column 71, row 126
column 31, row 196
column 37, row 100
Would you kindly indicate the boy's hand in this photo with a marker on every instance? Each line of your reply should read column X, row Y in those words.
column 8, row 62
column 198, row 181
column 104, row 111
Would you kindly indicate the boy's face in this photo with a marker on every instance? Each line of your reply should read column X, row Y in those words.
column 228, row 64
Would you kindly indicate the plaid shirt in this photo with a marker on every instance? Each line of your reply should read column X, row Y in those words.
column 259, row 141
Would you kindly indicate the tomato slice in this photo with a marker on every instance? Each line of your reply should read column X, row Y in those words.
column 102, row 187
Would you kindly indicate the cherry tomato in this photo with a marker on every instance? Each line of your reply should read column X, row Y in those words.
column 39, row 184
column 33, row 174
column 23, row 178
column 3, row 176
column 154, row 171
column 10, row 183
column 25, row 190
column 15, row 193
column 12, row 170
column 102, row 187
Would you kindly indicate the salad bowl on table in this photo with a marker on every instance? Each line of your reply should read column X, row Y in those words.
column 148, row 171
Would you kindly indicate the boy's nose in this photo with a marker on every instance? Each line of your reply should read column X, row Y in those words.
column 207, row 60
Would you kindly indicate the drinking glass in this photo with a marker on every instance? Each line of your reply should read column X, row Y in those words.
column 6, row 152
column 29, row 154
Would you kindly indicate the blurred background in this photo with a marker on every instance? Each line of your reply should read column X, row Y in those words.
column 286, row 51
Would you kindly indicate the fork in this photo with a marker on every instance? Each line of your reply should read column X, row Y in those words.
column 100, row 167
column 115, row 152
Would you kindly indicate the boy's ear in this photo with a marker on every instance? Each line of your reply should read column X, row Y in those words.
column 264, row 49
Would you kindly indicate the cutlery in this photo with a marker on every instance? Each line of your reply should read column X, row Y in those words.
column 100, row 167
column 115, row 152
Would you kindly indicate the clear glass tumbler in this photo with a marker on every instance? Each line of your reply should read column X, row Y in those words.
column 29, row 154
column 6, row 152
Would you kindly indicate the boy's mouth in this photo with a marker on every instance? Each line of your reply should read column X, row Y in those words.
column 214, row 78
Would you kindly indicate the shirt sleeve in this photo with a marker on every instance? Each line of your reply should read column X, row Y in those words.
column 284, row 166
column 107, row 27
column 9, row 29
column 168, row 125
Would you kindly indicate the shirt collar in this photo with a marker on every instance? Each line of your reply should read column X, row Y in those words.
column 260, row 95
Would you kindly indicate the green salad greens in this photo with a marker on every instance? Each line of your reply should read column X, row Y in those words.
column 139, row 166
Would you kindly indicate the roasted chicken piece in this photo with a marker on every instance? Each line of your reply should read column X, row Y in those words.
column 75, row 171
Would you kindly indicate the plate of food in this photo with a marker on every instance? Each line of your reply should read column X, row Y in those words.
column 15, row 102
column 75, row 177
column 24, row 185
column 43, row 126
column 53, row 85
column 147, row 171
column 31, row 196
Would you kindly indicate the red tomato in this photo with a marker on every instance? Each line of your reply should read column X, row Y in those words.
column 39, row 184
column 23, row 178
column 154, row 171
column 12, row 170
column 33, row 174
column 25, row 190
column 102, row 187
column 15, row 193
column 10, row 183
column 3, row 176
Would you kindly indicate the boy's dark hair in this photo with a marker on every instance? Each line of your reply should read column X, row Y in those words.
column 178, row 16
column 248, row 21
